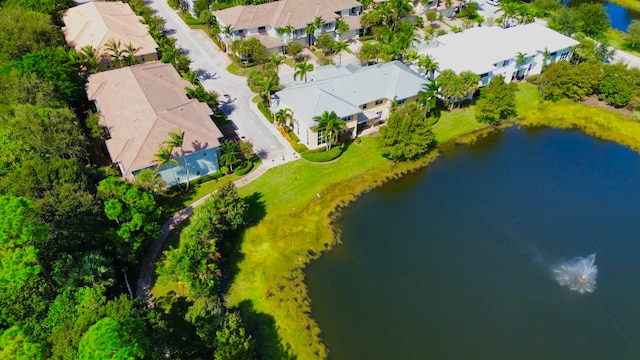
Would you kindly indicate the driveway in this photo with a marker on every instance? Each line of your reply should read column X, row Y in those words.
column 211, row 64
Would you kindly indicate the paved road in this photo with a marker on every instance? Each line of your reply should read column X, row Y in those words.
column 211, row 63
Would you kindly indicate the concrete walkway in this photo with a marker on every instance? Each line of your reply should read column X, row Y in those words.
column 211, row 64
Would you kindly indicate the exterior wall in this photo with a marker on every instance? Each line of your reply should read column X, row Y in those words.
column 351, row 34
column 372, row 106
column 142, row 58
column 200, row 163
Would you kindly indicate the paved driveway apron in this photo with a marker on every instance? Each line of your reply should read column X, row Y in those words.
column 211, row 64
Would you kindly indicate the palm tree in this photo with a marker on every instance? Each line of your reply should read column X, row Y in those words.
column 229, row 154
column 341, row 27
column 191, row 76
column 399, row 8
column 302, row 69
column 150, row 180
column 330, row 127
column 89, row 59
column 267, row 86
column 176, row 140
column 471, row 82
column 317, row 24
column 429, row 64
column 521, row 58
column 163, row 158
column 276, row 60
column 283, row 116
column 340, row 46
column 130, row 57
column 286, row 32
column 546, row 56
column 310, row 30
column 429, row 95
column 116, row 54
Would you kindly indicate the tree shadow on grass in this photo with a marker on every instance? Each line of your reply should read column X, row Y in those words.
column 182, row 340
column 257, row 208
column 262, row 328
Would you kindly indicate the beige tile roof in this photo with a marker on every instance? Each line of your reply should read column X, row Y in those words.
column 298, row 13
column 269, row 42
column 141, row 104
column 353, row 22
column 95, row 23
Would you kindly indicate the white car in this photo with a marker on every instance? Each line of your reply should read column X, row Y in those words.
column 493, row 2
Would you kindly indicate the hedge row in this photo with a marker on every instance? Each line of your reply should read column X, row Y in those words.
column 243, row 170
column 322, row 156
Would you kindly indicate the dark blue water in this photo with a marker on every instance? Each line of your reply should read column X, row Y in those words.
column 620, row 17
column 454, row 262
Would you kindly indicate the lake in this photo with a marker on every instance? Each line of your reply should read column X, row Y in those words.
column 455, row 262
column 620, row 16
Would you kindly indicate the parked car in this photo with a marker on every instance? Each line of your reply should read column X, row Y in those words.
column 493, row 2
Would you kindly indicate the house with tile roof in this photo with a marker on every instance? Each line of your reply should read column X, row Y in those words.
column 97, row 23
column 360, row 96
column 515, row 52
column 139, row 105
column 263, row 21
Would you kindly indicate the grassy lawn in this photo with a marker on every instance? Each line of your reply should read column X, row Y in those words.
column 294, row 206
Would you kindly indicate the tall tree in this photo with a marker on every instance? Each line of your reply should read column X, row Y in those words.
column 163, row 158
column 116, row 52
column 229, row 155
column 24, row 32
column 407, row 135
column 497, row 101
column 176, row 140
column 283, row 116
column 111, row 339
column 302, row 69
column 20, row 233
column 429, row 95
column 330, row 127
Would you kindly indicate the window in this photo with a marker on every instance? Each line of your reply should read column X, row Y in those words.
column 321, row 138
column 506, row 62
column 204, row 154
column 564, row 56
column 364, row 106
column 298, row 33
column 142, row 58
column 378, row 102
column 346, row 118
column 401, row 101
column 241, row 33
column 262, row 30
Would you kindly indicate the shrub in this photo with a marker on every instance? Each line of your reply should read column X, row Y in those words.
column 207, row 178
column 265, row 111
column 224, row 169
column 322, row 155
column 243, row 170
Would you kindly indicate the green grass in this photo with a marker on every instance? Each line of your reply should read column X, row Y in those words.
column 629, row 4
column 298, row 202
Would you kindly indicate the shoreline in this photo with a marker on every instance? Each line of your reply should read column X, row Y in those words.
column 336, row 200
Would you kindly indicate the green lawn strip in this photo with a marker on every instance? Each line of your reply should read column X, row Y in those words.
column 594, row 121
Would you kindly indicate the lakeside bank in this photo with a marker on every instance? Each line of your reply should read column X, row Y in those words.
column 269, row 282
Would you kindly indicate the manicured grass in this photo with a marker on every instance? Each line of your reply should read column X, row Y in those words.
column 294, row 206
column 299, row 199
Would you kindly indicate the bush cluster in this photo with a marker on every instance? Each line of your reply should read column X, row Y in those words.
column 321, row 155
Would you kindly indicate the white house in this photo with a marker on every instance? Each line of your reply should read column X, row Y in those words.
column 358, row 96
column 264, row 20
column 139, row 105
column 514, row 53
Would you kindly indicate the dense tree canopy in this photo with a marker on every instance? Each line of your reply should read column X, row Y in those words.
column 24, row 32
column 497, row 101
column 407, row 135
